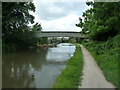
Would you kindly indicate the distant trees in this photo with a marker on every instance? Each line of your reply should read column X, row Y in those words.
column 101, row 21
column 37, row 27
column 15, row 20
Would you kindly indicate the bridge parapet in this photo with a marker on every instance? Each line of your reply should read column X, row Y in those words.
column 61, row 34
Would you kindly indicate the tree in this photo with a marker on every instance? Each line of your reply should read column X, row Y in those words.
column 101, row 21
column 15, row 18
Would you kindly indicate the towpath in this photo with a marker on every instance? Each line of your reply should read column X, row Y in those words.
column 92, row 75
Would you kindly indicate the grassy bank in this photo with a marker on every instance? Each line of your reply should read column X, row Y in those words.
column 70, row 76
column 106, row 55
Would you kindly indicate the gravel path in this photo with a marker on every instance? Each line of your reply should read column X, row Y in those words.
column 92, row 75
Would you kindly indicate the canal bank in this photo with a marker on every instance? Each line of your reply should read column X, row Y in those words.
column 70, row 77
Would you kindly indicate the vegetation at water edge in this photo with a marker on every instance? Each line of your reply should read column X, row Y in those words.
column 70, row 77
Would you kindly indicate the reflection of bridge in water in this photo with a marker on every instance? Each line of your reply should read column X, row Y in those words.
column 60, row 34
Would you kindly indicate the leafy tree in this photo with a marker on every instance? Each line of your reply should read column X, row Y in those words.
column 15, row 18
column 101, row 21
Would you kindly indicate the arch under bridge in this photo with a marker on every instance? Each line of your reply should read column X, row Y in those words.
column 60, row 34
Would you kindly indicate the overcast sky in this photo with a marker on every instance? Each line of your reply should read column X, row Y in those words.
column 59, row 16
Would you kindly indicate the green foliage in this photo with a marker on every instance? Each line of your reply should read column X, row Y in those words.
column 106, row 55
column 37, row 27
column 15, row 31
column 43, row 40
column 69, row 78
column 101, row 21
column 16, row 14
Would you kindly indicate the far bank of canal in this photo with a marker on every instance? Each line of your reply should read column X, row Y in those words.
column 35, row 68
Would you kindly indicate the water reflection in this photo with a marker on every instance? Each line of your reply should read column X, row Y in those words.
column 61, row 53
column 34, row 68
column 17, row 67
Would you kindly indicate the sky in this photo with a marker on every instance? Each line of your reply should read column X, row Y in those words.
column 59, row 16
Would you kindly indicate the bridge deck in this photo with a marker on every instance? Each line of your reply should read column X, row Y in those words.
column 60, row 34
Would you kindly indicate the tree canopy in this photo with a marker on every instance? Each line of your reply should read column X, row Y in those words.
column 101, row 21
column 15, row 20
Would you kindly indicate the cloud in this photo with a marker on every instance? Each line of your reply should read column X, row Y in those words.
column 62, row 24
column 54, row 10
column 59, row 16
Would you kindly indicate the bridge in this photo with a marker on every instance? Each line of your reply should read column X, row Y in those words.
column 60, row 34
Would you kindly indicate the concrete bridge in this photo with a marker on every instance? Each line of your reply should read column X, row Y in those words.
column 60, row 34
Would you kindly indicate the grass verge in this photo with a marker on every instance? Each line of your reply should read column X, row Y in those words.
column 70, row 76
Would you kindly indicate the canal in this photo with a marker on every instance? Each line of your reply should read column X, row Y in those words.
column 35, row 68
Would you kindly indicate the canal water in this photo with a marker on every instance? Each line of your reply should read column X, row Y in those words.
column 35, row 68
